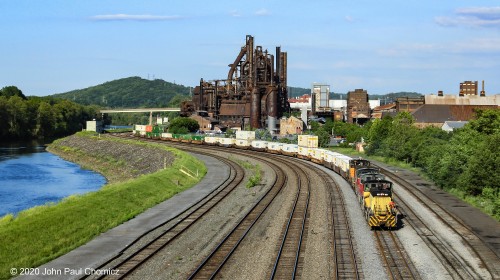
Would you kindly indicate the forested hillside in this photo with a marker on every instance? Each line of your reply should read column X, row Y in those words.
column 132, row 92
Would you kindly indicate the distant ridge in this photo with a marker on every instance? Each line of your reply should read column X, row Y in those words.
column 136, row 92
column 132, row 92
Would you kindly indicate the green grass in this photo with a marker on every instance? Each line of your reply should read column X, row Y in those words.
column 40, row 234
column 256, row 178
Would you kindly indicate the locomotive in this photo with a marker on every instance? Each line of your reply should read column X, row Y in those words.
column 373, row 191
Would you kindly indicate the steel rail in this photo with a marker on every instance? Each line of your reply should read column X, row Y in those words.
column 192, row 214
column 450, row 260
column 300, row 208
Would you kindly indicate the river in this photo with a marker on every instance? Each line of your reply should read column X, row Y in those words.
column 31, row 176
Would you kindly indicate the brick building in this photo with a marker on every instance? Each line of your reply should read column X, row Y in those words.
column 358, row 107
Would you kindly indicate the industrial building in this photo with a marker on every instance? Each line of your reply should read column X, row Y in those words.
column 358, row 107
column 254, row 94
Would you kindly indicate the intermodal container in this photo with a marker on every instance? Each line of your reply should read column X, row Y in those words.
column 259, row 145
column 245, row 135
column 310, row 141
column 274, row 147
column 242, row 143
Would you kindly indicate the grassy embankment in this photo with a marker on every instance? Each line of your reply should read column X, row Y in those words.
column 484, row 204
column 40, row 234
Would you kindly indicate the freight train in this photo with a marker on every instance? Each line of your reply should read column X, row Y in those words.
column 373, row 191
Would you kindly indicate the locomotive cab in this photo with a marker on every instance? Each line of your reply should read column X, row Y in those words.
column 355, row 164
column 380, row 209
column 362, row 175
column 363, row 188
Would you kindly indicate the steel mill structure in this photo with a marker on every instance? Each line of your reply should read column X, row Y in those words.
column 253, row 95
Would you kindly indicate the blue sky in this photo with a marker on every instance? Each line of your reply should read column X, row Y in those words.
column 53, row 46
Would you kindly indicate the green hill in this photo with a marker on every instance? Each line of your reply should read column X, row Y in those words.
column 132, row 92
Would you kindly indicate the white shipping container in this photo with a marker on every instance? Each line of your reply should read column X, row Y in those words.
column 211, row 140
column 166, row 135
column 245, row 134
column 302, row 140
column 227, row 142
column 290, row 148
column 242, row 143
column 343, row 163
column 310, row 141
column 259, row 144
column 304, row 151
column 318, row 154
column 140, row 127
column 330, row 156
column 275, row 147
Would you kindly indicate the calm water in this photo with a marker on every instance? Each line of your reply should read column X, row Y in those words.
column 31, row 176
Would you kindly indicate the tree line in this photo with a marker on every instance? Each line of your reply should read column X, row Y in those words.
column 32, row 117
column 464, row 162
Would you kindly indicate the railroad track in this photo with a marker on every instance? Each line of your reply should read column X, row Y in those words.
column 454, row 264
column 126, row 265
column 345, row 261
column 214, row 262
column 397, row 262
column 288, row 261
column 344, row 255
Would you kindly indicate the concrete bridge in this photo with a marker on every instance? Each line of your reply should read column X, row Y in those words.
column 140, row 110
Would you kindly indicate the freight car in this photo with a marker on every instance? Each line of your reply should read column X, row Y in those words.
column 373, row 191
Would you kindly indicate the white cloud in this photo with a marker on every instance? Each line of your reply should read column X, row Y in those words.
column 118, row 17
column 234, row 13
column 485, row 13
column 349, row 18
column 475, row 16
column 263, row 12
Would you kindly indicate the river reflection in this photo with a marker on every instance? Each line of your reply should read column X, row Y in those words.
column 31, row 176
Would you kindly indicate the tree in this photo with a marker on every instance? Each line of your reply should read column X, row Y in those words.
column 486, row 122
column 45, row 120
column 481, row 170
column 323, row 138
column 183, row 125
column 12, row 91
column 377, row 133
column 17, row 110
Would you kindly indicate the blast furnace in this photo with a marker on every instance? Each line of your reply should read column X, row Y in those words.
column 253, row 95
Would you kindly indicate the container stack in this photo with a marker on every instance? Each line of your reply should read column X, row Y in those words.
column 306, row 144
column 244, row 138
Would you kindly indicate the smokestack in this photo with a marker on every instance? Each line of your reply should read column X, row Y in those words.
column 483, row 93
column 278, row 65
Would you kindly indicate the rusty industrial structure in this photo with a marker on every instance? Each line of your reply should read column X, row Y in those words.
column 358, row 108
column 253, row 94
